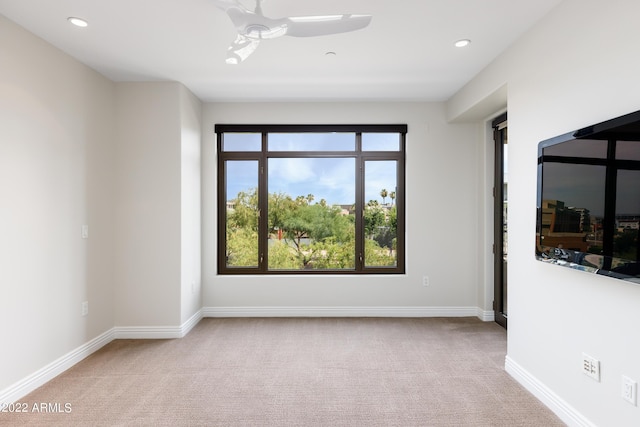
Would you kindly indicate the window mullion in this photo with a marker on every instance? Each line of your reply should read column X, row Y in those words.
column 222, row 206
column 359, row 208
column 263, row 206
column 401, row 207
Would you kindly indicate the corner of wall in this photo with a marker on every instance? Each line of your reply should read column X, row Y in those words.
column 468, row 105
column 190, row 195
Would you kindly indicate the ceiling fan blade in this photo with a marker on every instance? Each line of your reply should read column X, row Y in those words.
column 253, row 26
column 240, row 49
column 309, row 26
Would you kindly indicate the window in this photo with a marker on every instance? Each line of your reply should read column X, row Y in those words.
column 311, row 199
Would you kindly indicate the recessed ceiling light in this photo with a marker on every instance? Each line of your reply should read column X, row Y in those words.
column 330, row 53
column 462, row 43
column 78, row 22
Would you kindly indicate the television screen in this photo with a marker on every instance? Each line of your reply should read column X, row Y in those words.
column 588, row 210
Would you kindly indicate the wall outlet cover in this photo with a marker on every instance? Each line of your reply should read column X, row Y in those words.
column 629, row 390
column 591, row 367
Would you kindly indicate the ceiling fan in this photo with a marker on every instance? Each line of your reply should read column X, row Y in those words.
column 253, row 26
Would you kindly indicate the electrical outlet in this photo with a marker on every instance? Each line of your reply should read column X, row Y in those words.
column 629, row 390
column 591, row 367
column 85, row 232
column 85, row 308
column 425, row 280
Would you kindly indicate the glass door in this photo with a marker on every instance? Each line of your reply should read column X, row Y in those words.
column 500, row 197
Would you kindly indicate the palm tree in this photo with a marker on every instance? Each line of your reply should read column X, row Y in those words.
column 393, row 196
column 383, row 194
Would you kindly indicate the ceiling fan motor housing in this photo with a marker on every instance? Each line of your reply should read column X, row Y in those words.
column 259, row 31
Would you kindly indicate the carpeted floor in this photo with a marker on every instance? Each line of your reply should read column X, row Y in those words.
column 296, row 372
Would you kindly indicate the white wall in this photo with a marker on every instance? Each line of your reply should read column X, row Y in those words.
column 442, row 206
column 56, row 161
column 157, row 220
column 147, row 220
column 577, row 67
column 190, row 256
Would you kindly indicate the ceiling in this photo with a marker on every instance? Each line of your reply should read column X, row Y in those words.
column 407, row 53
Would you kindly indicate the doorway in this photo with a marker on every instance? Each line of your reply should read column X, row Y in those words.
column 500, row 210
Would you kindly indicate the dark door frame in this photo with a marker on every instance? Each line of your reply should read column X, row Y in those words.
column 499, row 125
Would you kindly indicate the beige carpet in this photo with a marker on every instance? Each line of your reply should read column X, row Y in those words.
column 296, row 372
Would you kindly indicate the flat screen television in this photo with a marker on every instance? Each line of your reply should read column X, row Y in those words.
column 588, row 209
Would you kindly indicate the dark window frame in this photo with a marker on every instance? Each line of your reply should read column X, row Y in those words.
column 361, row 158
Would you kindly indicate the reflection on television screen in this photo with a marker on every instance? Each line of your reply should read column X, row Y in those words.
column 589, row 199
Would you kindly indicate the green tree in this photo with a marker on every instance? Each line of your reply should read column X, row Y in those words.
column 375, row 256
column 314, row 235
column 283, row 257
column 242, row 247
column 242, row 230
column 393, row 220
column 383, row 194
column 331, row 254
column 244, row 213
column 309, row 224
column 280, row 207
column 393, row 196
column 374, row 218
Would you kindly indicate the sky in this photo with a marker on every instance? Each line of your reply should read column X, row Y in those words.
column 332, row 179
column 326, row 178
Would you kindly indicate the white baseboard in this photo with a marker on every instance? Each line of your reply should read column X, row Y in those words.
column 157, row 332
column 340, row 312
column 560, row 407
column 147, row 332
column 191, row 322
column 52, row 370
column 55, row 368
column 486, row 315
